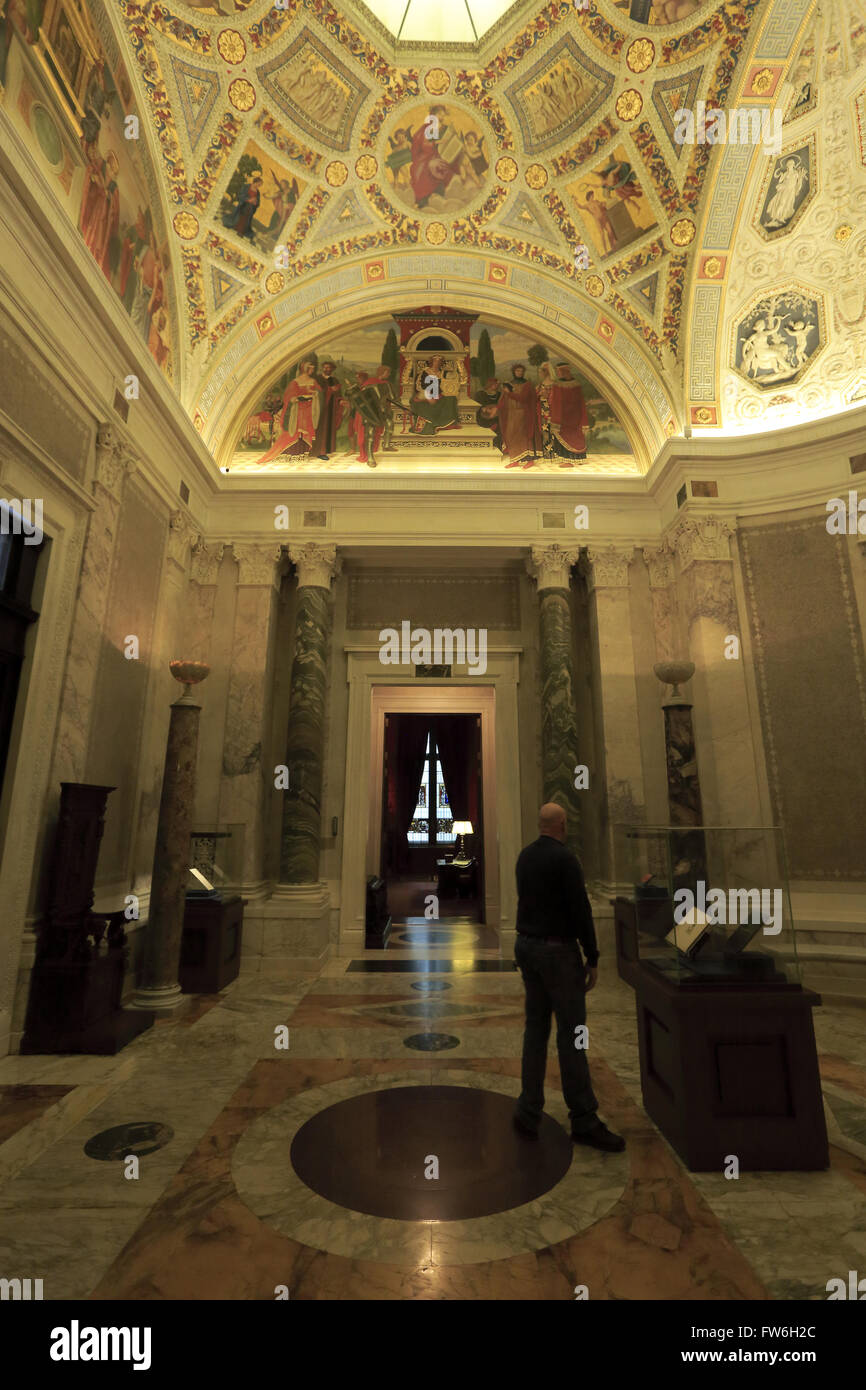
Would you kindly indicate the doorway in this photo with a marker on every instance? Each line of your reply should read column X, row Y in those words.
column 432, row 826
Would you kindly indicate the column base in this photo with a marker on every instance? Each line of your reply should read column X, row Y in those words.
column 165, row 1001
column 290, row 931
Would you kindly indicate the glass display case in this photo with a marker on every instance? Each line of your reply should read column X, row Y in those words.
column 705, row 905
column 215, row 862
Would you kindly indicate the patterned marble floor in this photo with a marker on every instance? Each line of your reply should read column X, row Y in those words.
column 218, row 1213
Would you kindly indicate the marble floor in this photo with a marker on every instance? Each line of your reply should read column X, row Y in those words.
column 282, row 1078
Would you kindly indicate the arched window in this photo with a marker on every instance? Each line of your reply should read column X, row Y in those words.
column 432, row 821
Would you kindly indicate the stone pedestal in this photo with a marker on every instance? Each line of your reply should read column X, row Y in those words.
column 299, row 857
column 159, row 989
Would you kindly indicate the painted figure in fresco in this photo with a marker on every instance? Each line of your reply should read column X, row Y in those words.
column 100, row 209
column 619, row 180
column 435, row 163
column 763, row 351
column 399, row 161
column 801, row 333
column 240, row 219
column 434, row 403
column 670, row 11
column 487, row 413
column 332, row 410
column 302, row 405
column 520, row 419
column 598, row 212
column 371, row 400
column 475, row 152
column 284, row 198
column 569, row 418
column 789, row 181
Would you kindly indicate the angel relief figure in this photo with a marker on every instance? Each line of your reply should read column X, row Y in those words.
column 764, row 351
column 789, row 180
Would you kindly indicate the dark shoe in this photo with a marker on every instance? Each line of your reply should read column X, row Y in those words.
column 600, row 1137
column 526, row 1130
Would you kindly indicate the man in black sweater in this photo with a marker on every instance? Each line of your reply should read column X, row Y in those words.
column 553, row 915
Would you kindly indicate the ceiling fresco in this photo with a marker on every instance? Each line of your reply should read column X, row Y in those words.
column 304, row 173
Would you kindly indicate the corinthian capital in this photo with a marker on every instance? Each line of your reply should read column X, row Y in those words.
column 257, row 564
column 659, row 561
column 607, row 566
column 551, row 565
column 701, row 538
column 181, row 536
column 114, row 461
column 316, row 564
column 205, row 561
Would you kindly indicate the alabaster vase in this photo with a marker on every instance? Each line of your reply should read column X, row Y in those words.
column 189, row 673
column 674, row 673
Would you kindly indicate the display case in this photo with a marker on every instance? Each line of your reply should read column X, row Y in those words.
column 705, row 905
column 215, row 861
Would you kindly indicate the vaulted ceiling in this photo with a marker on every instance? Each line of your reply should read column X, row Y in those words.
column 665, row 292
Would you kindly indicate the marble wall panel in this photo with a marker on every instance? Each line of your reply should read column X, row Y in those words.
column 40, row 407
column 121, row 684
column 811, row 678
column 431, row 599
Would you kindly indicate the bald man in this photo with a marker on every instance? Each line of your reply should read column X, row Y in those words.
column 554, row 920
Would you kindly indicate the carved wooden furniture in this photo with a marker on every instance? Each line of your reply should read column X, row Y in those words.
column 81, row 955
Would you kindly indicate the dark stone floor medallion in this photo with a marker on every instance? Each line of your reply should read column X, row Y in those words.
column 369, row 1154
column 431, row 1042
column 144, row 1137
column 430, row 986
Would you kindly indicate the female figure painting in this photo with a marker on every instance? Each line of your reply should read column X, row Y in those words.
column 302, row 404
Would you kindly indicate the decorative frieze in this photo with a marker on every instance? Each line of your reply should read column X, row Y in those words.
column 551, row 565
column 316, row 565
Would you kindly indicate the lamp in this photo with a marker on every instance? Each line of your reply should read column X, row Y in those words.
column 461, row 828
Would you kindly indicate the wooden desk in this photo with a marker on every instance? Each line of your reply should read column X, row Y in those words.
column 457, row 878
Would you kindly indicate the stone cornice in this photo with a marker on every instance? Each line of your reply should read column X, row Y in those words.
column 316, row 564
column 701, row 538
column 257, row 564
column 551, row 565
column 607, row 566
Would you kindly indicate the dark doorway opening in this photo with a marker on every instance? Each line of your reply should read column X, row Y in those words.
column 431, row 785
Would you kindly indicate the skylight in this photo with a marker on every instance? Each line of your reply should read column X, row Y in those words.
column 438, row 21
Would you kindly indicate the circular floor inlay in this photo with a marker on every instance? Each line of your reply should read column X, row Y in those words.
column 430, row 986
column 431, row 1042
column 371, row 1153
column 144, row 1137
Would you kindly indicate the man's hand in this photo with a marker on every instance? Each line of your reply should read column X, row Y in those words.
column 590, row 977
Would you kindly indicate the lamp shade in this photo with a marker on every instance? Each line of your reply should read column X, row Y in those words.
column 462, row 827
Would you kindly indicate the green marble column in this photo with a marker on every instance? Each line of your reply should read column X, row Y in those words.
column 551, row 567
column 299, row 855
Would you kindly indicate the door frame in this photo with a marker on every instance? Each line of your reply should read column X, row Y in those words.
column 375, row 690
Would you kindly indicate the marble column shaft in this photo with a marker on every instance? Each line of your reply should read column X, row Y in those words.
column 610, row 612
column 246, row 782
column 161, row 955
column 302, row 808
column 724, row 736
column 551, row 566
column 114, row 464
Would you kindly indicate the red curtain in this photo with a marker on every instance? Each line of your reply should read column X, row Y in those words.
column 457, row 738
